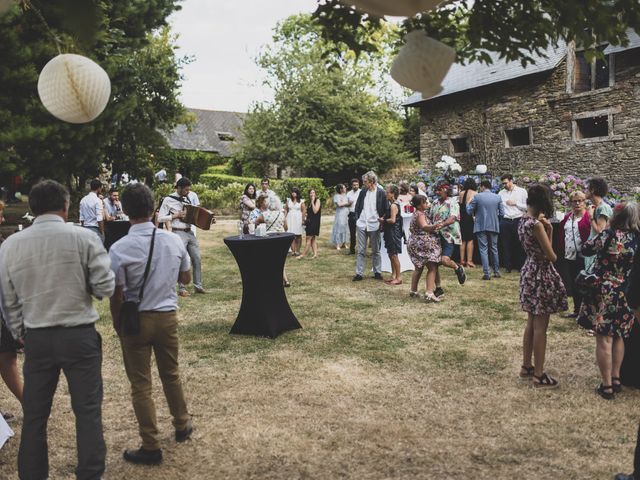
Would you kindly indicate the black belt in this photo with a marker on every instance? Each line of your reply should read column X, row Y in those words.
column 512, row 219
column 181, row 229
column 57, row 327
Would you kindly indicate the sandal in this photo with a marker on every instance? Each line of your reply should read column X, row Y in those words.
column 602, row 391
column 526, row 372
column 430, row 297
column 544, row 381
column 286, row 284
column 617, row 385
column 413, row 294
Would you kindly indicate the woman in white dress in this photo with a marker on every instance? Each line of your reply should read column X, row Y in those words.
column 293, row 211
column 340, row 231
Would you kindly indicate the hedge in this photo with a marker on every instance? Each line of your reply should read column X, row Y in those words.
column 281, row 187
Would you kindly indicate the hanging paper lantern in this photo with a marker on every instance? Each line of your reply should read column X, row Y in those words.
column 481, row 169
column 74, row 88
column 5, row 6
column 422, row 63
column 396, row 8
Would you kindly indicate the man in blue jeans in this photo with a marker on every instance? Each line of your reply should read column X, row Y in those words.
column 487, row 208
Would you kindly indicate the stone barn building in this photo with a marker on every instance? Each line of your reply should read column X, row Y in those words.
column 563, row 113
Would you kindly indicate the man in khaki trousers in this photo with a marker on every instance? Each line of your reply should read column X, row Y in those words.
column 158, row 320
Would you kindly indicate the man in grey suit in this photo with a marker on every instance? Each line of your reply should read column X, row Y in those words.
column 487, row 208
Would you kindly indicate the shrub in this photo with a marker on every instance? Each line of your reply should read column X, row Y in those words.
column 304, row 184
column 217, row 180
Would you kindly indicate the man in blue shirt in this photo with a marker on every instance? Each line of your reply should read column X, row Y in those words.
column 487, row 208
column 158, row 319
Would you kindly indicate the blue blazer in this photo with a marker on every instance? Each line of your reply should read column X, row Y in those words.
column 487, row 208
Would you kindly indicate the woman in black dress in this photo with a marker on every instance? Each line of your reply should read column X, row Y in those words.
column 469, row 190
column 392, row 228
column 312, row 224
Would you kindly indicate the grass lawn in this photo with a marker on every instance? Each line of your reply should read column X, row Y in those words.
column 376, row 385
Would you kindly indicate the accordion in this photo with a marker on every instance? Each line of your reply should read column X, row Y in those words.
column 200, row 217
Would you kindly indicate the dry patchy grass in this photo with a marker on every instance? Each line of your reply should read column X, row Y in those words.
column 376, row 385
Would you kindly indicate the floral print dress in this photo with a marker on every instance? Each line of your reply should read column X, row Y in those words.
column 422, row 247
column 542, row 290
column 609, row 312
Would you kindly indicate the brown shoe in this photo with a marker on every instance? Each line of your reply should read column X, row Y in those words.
column 184, row 293
column 185, row 434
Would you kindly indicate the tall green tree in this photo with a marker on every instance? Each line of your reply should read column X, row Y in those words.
column 325, row 118
column 128, row 38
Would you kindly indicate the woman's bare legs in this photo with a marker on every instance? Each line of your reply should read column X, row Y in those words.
column 469, row 248
column 314, row 246
column 415, row 278
column 10, row 374
column 431, row 276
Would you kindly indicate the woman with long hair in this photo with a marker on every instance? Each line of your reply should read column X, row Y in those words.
column 607, row 309
column 392, row 234
column 340, row 231
column 469, row 190
column 247, row 204
column 541, row 289
column 293, row 211
column 312, row 224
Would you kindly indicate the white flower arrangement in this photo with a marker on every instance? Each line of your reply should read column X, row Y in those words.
column 448, row 165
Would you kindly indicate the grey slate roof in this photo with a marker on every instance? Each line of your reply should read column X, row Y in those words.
column 467, row 77
column 204, row 133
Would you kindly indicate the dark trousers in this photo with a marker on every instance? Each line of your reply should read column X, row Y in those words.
column 352, row 232
column 573, row 268
column 636, row 457
column 78, row 353
column 512, row 253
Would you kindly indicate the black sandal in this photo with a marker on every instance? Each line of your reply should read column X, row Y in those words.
column 602, row 391
column 544, row 381
column 526, row 372
column 617, row 387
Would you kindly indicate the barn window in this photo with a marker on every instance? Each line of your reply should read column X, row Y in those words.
column 517, row 137
column 591, row 127
column 460, row 144
column 592, row 75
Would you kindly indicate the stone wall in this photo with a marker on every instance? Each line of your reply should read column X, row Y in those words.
column 541, row 102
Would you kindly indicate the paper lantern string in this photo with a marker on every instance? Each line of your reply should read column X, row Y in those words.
column 56, row 39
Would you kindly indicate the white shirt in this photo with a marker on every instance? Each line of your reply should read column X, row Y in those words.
column 369, row 216
column 352, row 197
column 48, row 273
column 161, row 175
column 519, row 195
column 572, row 240
column 171, row 205
column 129, row 259
column 91, row 210
column 194, row 200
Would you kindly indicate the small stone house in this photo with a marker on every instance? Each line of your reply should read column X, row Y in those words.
column 563, row 113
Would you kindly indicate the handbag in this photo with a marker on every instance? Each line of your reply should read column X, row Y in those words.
column 129, row 311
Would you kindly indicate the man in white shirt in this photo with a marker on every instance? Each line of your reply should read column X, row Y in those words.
column 173, row 210
column 370, row 206
column 158, row 320
column 265, row 190
column 48, row 274
column 91, row 209
column 112, row 207
column 514, row 201
column 352, row 198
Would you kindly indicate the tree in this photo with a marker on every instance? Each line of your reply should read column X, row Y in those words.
column 324, row 119
column 128, row 39
column 513, row 28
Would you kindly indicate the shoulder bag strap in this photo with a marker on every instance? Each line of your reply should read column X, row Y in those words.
column 148, row 267
column 269, row 227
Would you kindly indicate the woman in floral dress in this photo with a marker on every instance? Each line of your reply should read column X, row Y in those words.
column 423, row 248
column 612, row 318
column 542, row 291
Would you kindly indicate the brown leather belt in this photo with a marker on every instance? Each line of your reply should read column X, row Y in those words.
column 181, row 229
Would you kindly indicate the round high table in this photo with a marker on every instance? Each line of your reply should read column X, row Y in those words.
column 264, row 310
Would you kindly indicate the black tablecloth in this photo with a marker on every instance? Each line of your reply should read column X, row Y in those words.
column 264, row 310
column 114, row 231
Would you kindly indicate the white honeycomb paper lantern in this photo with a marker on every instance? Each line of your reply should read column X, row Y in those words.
column 395, row 8
column 481, row 169
column 422, row 63
column 5, row 6
column 74, row 88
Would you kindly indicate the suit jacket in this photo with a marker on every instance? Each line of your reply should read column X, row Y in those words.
column 487, row 208
column 381, row 202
